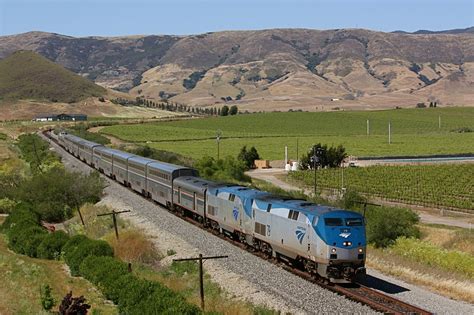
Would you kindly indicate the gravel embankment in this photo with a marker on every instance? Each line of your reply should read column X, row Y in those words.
column 244, row 275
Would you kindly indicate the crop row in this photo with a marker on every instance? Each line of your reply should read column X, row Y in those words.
column 449, row 186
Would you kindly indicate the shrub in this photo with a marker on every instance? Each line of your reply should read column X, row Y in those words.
column 26, row 240
column 327, row 156
column 227, row 169
column 385, row 225
column 248, row 157
column 131, row 294
column 21, row 215
column 73, row 305
column 52, row 245
column 81, row 248
column 7, row 205
column 47, row 300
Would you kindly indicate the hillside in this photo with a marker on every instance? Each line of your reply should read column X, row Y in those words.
column 276, row 69
column 27, row 75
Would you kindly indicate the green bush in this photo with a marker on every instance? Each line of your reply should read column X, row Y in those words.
column 131, row 294
column 81, row 248
column 26, row 240
column 56, row 192
column 23, row 215
column 7, row 205
column 47, row 300
column 52, row 245
column 386, row 224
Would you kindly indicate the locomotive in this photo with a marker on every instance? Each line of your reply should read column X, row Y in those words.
column 327, row 242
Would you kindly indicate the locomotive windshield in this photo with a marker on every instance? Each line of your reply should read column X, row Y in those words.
column 354, row 222
column 333, row 222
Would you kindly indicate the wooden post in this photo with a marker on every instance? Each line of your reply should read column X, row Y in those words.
column 113, row 214
column 201, row 272
column 201, row 281
column 80, row 216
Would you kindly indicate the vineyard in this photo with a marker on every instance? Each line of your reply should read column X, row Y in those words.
column 413, row 132
column 448, row 186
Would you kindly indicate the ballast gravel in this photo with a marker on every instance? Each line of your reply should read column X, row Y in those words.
column 243, row 275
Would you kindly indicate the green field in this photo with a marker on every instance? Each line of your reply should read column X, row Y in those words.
column 445, row 186
column 414, row 132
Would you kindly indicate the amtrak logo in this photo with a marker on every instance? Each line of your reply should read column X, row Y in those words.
column 235, row 213
column 300, row 233
column 345, row 235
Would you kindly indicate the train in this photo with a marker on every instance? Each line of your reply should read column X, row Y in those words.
column 327, row 242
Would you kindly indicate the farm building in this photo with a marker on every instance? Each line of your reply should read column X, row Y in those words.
column 61, row 117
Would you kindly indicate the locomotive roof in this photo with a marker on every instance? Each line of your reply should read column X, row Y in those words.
column 194, row 183
column 278, row 201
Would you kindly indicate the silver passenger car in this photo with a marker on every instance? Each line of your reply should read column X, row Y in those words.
column 103, row 160
column 189, row 192
column 120, row 166
column 160, row 177
column 86, row 150
column 137, row 173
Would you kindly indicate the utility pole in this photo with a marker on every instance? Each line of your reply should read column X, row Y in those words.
column 114, row 218
column 315, row 159
column 389, row 132
column 218, row 139
column 201, row 273
column 368, row 127
column 439, row 122
column 297, row 156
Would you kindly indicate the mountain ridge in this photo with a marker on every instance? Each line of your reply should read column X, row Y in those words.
column 282, row 68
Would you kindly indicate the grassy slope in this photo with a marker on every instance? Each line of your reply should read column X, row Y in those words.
column 22, row 276
column 414, row 132
column 424, row 267
column 27, row 75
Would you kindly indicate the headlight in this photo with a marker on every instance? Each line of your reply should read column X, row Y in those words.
column 333, row 250
column 347, row 243
column 361, row 250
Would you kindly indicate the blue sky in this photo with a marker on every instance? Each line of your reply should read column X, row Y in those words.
column 107, row 17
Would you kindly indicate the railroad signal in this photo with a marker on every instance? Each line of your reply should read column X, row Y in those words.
column 114, row 218
column 201, row 273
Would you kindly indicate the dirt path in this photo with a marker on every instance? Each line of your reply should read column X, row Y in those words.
column 427, row 215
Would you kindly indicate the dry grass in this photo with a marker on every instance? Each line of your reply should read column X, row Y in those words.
column 454, row 288
column 133, row 246
column 95, row 227
column 449, row 238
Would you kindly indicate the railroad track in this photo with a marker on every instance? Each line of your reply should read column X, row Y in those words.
column 356, row 292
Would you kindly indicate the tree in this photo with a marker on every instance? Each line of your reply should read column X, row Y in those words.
column 248, row 157
column 225, row 110
column 233, row 110
column 327, row 157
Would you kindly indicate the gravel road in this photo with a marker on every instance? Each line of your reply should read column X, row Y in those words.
column 245, row 276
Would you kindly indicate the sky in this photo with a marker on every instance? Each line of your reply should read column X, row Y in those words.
column 182, row 17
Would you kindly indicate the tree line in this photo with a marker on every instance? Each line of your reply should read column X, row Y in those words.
column 177, row 107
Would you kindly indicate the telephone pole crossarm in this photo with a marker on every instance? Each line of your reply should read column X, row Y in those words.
column 114, row 219
column 201, row 258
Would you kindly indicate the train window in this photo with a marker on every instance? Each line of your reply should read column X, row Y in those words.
column 269, row 207
column 333, row 221
column 354, row 222
column 231, row 197
column 293, row 214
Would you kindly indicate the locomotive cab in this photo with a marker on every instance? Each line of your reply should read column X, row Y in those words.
column 344, row 245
